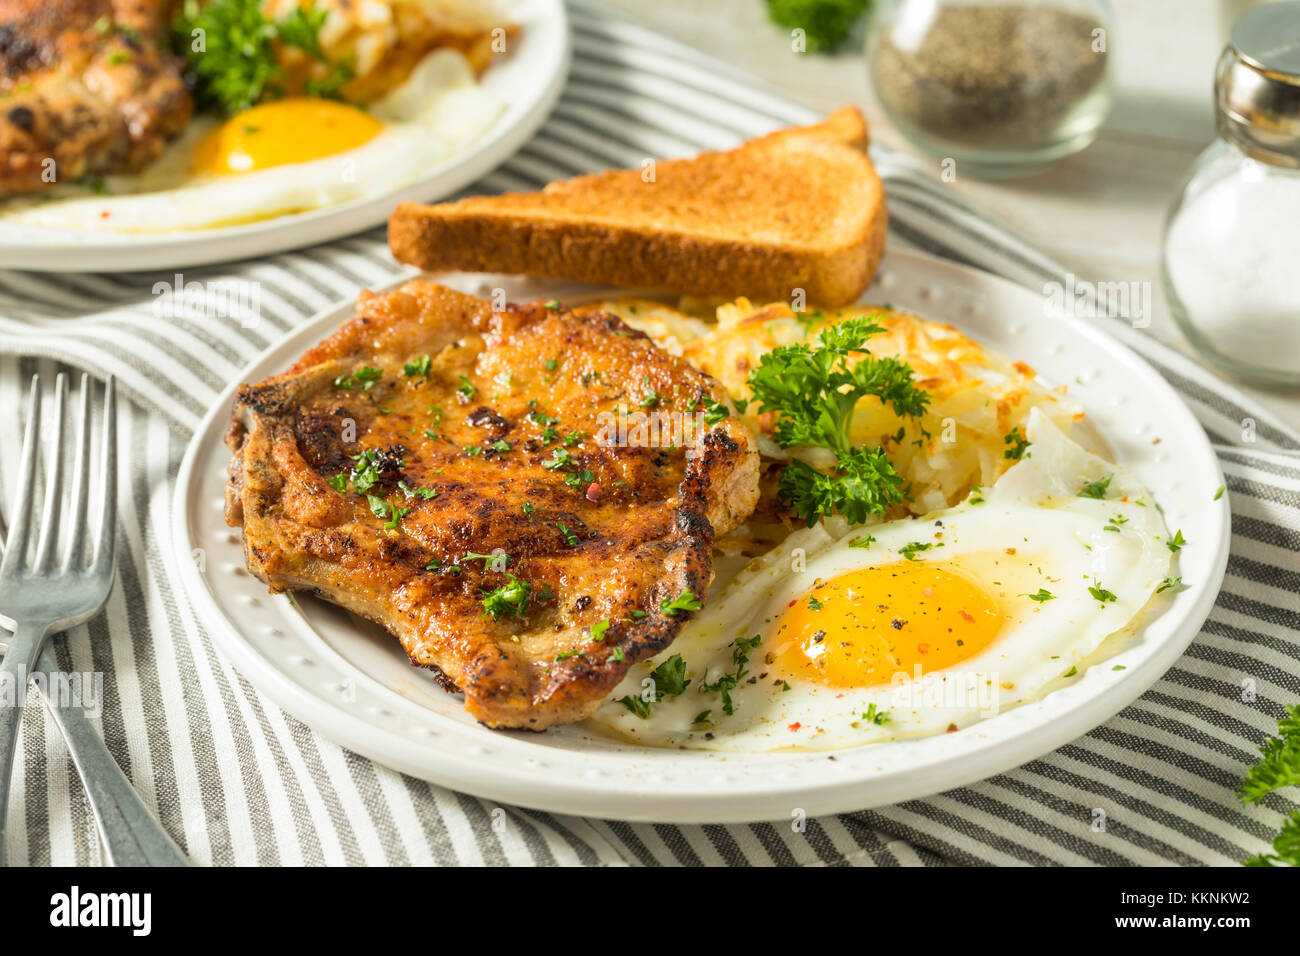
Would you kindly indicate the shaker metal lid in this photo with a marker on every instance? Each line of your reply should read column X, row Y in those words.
column 1257, row 84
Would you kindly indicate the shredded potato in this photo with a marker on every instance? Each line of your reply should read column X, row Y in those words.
column 383, row 40
column 977, row 396
column 670, row 329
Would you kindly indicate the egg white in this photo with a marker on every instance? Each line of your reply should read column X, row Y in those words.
column 1062, row 543
column 437, row 112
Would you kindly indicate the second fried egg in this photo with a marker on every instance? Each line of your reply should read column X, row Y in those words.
column 282, row 157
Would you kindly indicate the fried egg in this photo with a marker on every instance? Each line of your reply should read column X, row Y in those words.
column 283, row 157
column 842, row 637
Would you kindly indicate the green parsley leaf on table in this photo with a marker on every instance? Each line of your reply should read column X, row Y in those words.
column 826, row 23
column 1278, row 767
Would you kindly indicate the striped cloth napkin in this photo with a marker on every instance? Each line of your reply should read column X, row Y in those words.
column 236, row 781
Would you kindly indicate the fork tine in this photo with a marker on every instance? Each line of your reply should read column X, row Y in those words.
column 80, row 475
column 16, row 546
column 53, row 506
column 108, row 499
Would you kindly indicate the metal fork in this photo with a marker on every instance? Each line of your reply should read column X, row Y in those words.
column 39, row 599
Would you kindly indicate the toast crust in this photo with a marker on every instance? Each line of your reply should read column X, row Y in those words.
column 798, row 209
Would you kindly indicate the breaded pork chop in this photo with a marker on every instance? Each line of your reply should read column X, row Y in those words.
column 526, row 498
column 88, row 87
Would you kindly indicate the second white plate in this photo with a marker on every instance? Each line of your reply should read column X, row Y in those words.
column 351, row 682
column 528, row 80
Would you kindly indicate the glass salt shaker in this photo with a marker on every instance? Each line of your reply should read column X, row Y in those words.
column 1231, row 251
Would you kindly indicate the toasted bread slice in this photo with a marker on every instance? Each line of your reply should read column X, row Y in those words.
column 799, row 209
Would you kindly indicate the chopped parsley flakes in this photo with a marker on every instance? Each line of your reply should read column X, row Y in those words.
column 1096, row 489
column 366, row 377
column 419, row 367
column 667, row 680
column 421, row 492
column 509, row 600
column 1100, row 593
column 1018, row 442
column 877, row 717
column 728, row 682
column 686, row 601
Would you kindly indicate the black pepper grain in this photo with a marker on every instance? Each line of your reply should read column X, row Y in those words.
column 22, row 117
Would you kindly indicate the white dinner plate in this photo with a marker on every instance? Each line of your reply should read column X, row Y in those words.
column 351, row 681
column 528, row 80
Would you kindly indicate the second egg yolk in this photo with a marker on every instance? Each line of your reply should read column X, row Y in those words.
column 286, row 131
column 863, row 627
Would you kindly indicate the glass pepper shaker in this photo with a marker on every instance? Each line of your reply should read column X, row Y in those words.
column 1231, row 251
column 1003, row 87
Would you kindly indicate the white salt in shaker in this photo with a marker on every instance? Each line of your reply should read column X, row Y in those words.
column 1231, row 259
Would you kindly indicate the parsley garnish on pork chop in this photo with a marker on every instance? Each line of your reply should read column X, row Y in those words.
column 686, row 601
column 509, row 600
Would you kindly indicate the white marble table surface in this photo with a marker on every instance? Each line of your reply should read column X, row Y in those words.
column 1099, row 213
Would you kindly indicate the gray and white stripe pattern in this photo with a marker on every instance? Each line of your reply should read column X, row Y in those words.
column 236, row 781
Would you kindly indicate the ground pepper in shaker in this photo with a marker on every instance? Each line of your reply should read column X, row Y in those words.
column 1001, row 88
column 1231, row 253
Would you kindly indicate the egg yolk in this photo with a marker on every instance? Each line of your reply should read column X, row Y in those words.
column 286, row 131
column 863, row 627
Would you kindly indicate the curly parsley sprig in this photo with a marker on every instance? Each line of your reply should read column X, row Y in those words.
column 827, row 24
column 230, row 48
column 1278, row 767
column 730, row 680
column 667, row 680
column 815, row 389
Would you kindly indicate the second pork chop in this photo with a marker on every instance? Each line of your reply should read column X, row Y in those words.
column 88, row 88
